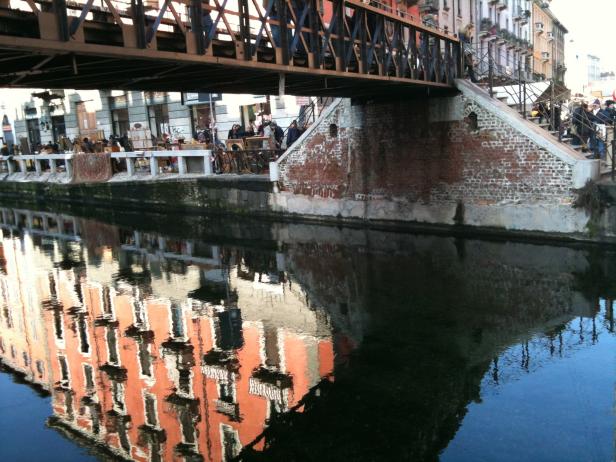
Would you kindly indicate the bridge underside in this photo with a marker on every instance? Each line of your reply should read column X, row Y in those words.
column 358, row 51
column 117, row 68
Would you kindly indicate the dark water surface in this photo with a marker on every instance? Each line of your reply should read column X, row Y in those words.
column 165, row 339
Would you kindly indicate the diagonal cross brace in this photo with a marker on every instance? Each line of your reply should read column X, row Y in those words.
column 377, row 33
column 298, row 28
column 268, row 12
column 77, row 22
column 357, row 17
column 154, row 27
column 328, row 34
column 214, row 26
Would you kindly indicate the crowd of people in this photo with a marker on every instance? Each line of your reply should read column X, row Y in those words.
column 274, row 135
column 592, row 127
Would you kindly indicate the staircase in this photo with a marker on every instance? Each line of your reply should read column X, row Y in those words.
column 510, row 87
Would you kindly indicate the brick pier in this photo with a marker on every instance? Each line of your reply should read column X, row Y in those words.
column 465, row 159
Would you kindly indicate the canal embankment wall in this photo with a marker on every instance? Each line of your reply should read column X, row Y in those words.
column 464, row 163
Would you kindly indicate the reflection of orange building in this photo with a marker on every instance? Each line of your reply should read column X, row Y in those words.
column 23, row 286
column 159, row 378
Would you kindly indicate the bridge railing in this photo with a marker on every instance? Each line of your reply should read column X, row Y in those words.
column 343, row 36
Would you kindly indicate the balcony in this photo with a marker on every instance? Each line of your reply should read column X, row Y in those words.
column 231, row 410
column 486, row 28
column 524, row 17
column 502, row 4
column 545, row 56
column 269, row 384
column 429, row 6
column 539, row 27
column 550, row 36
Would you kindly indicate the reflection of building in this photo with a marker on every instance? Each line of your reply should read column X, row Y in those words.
column 23, row 286
column 169, row 359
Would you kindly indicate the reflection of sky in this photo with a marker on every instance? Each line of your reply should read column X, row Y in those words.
column 526, row 419
column 23, row 434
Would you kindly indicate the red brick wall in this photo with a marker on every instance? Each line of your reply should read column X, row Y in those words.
column 406, row 151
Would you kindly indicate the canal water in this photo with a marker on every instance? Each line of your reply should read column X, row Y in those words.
column 138, row 337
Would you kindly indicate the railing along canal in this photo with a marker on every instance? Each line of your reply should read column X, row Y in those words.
column 150, row 163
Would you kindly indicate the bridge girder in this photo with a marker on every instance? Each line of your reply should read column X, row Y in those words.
column 361, row 51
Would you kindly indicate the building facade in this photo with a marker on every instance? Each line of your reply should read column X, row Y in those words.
column 520, row 38
column 549, row 44
column 52, row 114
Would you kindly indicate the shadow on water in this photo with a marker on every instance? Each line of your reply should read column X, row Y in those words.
column 209, row 339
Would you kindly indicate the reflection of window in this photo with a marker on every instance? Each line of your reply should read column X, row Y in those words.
column 185, row 382
column 57, row 323
column 145, row 361
column 226, row 391
column 8, row 316
column 88, row 373
column 107, row 306
column 272, row 353
column 63, row 368
column 83, row 333
column 26, row 359
column 151, row 417
column 139, row 314
column 230, row 442
column 112, row 346
column 117, row 390
column 188, row 426
column 68, row 402
column 123, row 435
column 177, row 325
column 40, row 368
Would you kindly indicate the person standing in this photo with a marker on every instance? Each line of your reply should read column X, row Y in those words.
column 607, row 115
column 293, row 133
column 278, row 134
column 598, row 130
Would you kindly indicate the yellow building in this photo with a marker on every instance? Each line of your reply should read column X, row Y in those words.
column 549, row 43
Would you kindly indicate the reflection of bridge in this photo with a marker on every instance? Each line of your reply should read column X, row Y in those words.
column 347, row 48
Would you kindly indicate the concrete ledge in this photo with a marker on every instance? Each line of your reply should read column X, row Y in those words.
column 548, row 218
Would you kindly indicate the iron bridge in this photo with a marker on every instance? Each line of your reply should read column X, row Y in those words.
column 297, row 47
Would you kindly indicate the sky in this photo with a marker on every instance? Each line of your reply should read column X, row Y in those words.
column 592, row 27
